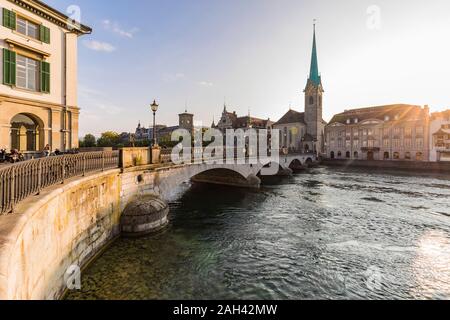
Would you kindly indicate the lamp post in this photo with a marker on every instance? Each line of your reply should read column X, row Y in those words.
column 154, row 106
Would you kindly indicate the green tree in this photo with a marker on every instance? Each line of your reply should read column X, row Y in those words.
column 88, row 141
column 109, row 139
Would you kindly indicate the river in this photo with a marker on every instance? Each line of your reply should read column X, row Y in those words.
column 323, row 234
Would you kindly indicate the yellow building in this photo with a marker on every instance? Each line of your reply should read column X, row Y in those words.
column 38, row 92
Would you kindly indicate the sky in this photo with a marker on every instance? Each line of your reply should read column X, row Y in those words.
column 255, row 56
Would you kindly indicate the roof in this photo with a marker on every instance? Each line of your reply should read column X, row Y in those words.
column 292, row 116
column 396, row 112
column 441, row 115
column 441, row 132
column 255, row 122
column 44, row 10
column 314, row 76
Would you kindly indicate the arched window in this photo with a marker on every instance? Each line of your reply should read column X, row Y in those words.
column 311, row 100
column 356, row 155
column 332, row 155
column 386, row 156
column 347, row 155
column 419, row 156
column 396, row 156
column 339, row 154
column 408, row 156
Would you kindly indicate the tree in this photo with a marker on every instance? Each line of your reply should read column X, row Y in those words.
column 109, row 139
column 88, row 141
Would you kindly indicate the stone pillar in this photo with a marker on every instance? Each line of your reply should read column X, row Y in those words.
column 56, row 122
column 5, row 136
column 156, row 155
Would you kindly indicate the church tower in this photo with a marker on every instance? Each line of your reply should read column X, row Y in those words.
column 313, row 104
column 186, row 121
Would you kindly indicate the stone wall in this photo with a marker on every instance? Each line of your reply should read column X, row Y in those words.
column 70, row 224
column 66, row 225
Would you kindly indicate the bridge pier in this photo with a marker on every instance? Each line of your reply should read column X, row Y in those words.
column 145, row 215
column 227, row 179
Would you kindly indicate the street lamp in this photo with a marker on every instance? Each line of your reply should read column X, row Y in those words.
column 154, row 106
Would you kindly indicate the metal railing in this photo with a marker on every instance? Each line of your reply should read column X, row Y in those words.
column 25, row 179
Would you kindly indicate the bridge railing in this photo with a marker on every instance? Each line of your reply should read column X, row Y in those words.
column 25, row 179
column 198, row 153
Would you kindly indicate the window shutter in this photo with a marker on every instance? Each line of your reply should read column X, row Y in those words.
column 9, row 67
column 44, row 34
column 45, row 77
column 9, row 19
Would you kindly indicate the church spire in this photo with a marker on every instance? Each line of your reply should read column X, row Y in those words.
column 314, row 75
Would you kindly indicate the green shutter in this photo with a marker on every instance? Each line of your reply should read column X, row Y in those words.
column 9, row 67
column 45, row 77
column 9, row 19
column 44, row 34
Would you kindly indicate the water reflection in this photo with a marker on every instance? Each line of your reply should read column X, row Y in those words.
column 346, row 234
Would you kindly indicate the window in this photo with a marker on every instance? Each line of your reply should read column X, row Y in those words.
column 27, row 28
column 408, row 132
column 408, row 143
column 27, row 73
column 396, row 143
column 386, row 156
column 419, row 131
column 408, row 156
column 419, row 143
column 387, row 118
column 339, row 154
column 356, row 120
column 347, row 155
column 311, row 100
column 349, row 121
column 419, row 156
column 356, row 155
column 396, row 156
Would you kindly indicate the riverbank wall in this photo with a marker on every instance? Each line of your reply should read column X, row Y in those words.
column 51, row 235
column 424, row 167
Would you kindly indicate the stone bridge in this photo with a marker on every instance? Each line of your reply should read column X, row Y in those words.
column 239, row 175
column 60, row 226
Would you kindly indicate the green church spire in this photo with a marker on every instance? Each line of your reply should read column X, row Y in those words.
column 314, row 75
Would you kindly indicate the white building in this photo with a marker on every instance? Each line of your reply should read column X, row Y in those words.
column 38, row 91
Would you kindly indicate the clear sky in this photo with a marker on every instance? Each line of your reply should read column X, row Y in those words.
column 255, row 54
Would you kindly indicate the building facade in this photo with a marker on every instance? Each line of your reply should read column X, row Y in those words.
column 440, row 137
column 38, row 92
column 163, row 132
column 305, row 132
column 230, row 120
column 394, row 132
